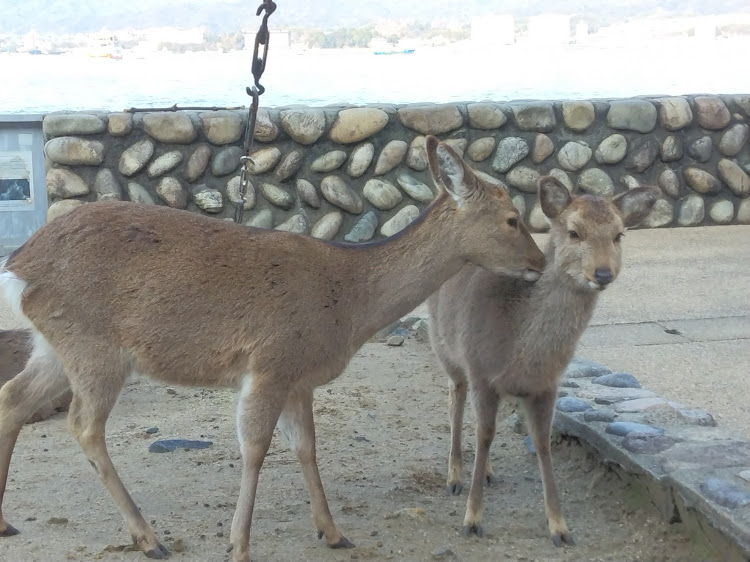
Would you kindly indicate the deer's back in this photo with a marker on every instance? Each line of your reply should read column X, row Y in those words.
column 186, row 295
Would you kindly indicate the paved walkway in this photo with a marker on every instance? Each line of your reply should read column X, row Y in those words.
column 678, row 318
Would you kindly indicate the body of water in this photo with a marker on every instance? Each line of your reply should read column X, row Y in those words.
column 45, row 83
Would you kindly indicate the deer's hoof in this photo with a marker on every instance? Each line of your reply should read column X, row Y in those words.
column 9, row 531
column 241, row 558
column 238, row 556
column 473, row 529
column 562, row 538
column 454, row 489
column 343, row 543
column 158, row 553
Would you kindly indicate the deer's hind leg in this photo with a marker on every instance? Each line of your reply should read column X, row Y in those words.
column 298, row 425
column 97, row 377
column 43, row 379
column 539, row 411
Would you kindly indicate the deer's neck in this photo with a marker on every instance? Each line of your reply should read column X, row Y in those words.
column 558, row 311
column 401, row 273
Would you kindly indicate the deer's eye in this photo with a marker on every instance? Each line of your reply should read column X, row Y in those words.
column 573, row 235
column 619, row 237
column 513, row 222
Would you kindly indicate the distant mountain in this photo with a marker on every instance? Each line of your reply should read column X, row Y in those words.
column 73, row 16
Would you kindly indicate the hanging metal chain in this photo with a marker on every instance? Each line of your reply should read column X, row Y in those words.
column 255, row 91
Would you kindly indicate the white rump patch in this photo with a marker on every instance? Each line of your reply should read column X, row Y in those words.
column 11, row 291
column 41, row 347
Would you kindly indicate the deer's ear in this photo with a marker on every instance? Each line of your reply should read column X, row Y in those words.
column 635, row 205
column 448, row 170
column 554, row 197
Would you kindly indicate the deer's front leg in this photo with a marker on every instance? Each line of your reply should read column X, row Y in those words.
column 299, row 427
column 539, row 411
column 258, row 411
column 457, row 395
column 485, row 401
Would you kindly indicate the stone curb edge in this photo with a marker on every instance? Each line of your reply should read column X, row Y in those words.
column 664, row 493
column 692, row 469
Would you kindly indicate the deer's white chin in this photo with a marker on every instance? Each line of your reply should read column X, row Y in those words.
column 531, row 275
column 594, row 286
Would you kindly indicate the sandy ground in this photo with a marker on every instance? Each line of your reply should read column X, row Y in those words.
column 383, row 443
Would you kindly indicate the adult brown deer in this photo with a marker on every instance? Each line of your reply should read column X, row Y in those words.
column 506, row 337
column 116, row 288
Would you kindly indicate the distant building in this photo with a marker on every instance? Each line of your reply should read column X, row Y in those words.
column 705, row 29
column 496, row 30
column 278, row 39
column 30, row 41
column 549, row 29
column 582, row 32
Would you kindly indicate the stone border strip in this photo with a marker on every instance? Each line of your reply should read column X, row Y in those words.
column 695, row 472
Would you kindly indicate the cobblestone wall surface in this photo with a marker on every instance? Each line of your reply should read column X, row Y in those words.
column 360, row 173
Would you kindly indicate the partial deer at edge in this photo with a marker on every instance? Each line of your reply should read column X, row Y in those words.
column 114, row 288
column 15, row 347
column 498, row 336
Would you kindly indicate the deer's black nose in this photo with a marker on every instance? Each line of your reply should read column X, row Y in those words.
column 603, row 275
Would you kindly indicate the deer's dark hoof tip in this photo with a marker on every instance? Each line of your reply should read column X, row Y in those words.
column 563, row 538
column 158, row 553
column 474, row 529
column 454, row 489
column 343, row 543
column 9, row 531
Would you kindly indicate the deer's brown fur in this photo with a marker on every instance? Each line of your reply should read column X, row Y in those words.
column 498, row 336
column 113, row 288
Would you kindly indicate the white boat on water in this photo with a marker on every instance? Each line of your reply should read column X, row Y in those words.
column 106, row 47
column 383, row 47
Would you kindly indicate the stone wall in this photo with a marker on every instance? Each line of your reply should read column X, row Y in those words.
column 359, row 173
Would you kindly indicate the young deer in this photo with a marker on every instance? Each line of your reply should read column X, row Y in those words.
column 504, row 336
column 116, row 288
